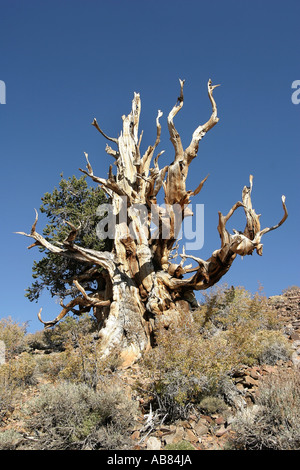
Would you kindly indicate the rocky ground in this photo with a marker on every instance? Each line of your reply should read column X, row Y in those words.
column 213, row 432
column 204, row 432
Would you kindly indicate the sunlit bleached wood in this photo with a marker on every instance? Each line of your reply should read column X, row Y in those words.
column 141, row 282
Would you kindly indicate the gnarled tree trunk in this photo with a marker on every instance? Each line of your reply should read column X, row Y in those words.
column 141, row 285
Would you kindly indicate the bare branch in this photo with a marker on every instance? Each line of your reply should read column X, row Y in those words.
column 239, row 243
column 140, row 139
column 73, row 303
column 109, row 184
column 199, row 187
column 73, row 234
column 174, row 136
column 199, row 133
column 111, row 152
column 253, row 223
column 224, row 235
column 157, row 157
column 95, row 124
column 93, row 301
column 129, row 159
column 88, row 274
column 84, row 303
column 135, row 113
column 85, row 255
column 88, row 165
column 147, row 157
column 35, row 221
column 158, row 128
column 285, row 216
column 159, row 180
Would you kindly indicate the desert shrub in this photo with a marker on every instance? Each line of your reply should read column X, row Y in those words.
column 291, row 289
column 7, row 400
column 18, row 372
column 10, row 439
column 212, row 405
column 182, row 445
column 36, row 340
column 12, row 333
column 193, row 357
column 274, row 422
column 271, row 346
column 79, row 362
column 75, row 351
column 74, row 416
column 15, row 376
column 66, row 332
column 184, row 374
column 251, row 328
column 254, row 346
column 224, row 308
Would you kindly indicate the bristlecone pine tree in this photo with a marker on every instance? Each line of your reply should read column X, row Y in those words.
column 141, row 286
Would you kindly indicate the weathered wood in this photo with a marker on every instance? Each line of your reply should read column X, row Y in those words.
column 141, row 286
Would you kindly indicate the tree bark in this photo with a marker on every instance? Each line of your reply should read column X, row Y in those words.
column 141, row 286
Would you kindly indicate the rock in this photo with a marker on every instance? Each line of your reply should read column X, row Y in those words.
column 153, row 443
column 175, row 434
column 287, row 307
column 220, row 420
column 207, row 418
column 199, row 428
column 250, row 400
column 239, row 380
column 295, row 337
column 234, row 394
column 185, row 424
column 165, row 429
column 266, row 369
column 169, row 438
column 296, row 359
column 135, row 435
column 179, row 434
column 222, row 430
column 254, row 374
column 191, row 436
column 249, row 381
column 239, row 372
column 240, row 387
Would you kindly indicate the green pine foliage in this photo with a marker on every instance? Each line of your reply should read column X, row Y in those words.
column 75, row 202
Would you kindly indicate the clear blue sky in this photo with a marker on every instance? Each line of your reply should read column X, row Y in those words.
column 65, row 62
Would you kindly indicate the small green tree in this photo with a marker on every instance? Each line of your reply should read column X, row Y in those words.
column 73, row 203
